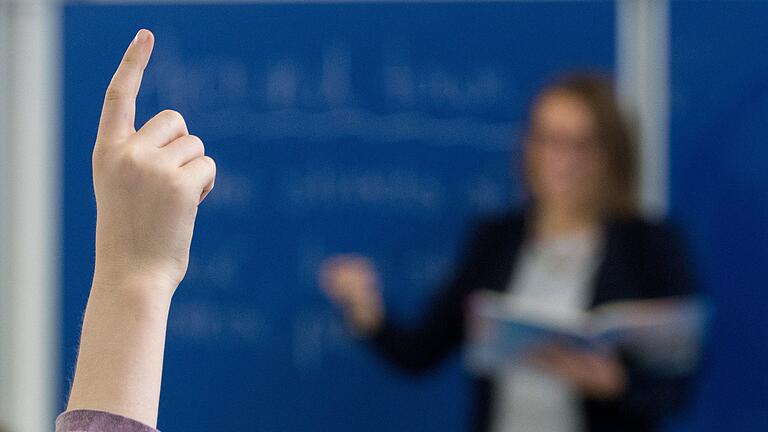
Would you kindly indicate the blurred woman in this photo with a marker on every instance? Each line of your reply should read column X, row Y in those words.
column 576, row 244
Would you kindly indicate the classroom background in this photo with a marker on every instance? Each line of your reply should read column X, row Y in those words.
column 377, row 126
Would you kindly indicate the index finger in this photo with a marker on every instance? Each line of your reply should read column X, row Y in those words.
column 119, row 111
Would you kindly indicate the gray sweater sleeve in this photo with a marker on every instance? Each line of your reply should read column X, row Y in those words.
column 98, row 421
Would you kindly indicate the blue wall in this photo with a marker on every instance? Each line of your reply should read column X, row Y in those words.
column 719, row 193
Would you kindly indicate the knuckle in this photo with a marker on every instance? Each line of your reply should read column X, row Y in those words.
column 211, row 166
column 211, row 163
column 130, row 164
column 132, row 158
column 198, row 144
column 115, row 92
column 173, row 117
column 178, row 185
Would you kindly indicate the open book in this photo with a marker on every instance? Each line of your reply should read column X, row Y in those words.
column 660, row 334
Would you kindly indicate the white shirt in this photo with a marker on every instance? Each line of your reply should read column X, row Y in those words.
column 559, row 273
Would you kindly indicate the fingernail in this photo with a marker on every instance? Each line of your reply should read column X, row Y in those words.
column 142, row 36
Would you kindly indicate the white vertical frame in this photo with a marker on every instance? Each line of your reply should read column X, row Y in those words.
column 642, row 57
column 31, row 218
column 4, row 209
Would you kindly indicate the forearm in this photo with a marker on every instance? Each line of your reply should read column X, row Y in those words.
column 119, row 368
column 420, row 348
column 148, row 185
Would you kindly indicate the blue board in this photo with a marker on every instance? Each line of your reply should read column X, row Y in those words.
column 719, row 192
column 379, row 128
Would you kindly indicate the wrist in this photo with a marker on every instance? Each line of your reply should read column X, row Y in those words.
column 140, row 290
column 118, row 263
column 367, row 321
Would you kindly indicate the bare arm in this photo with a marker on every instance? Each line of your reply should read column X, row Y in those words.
column 148, row 184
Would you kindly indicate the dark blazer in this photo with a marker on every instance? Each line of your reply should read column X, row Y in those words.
column 641, row 260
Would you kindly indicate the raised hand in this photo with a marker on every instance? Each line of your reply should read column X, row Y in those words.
column 351, row 282
column 148, row 182
column 148, row 185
